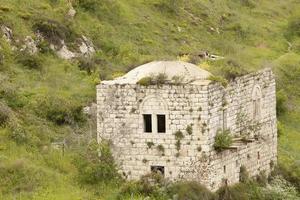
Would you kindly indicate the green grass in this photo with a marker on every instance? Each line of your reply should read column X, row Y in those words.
column 41, row 96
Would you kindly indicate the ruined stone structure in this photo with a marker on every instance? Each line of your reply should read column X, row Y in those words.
column 171, row 127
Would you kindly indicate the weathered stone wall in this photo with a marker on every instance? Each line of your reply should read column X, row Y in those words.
column 120, row 110
column 233, row 108
column 246, row 104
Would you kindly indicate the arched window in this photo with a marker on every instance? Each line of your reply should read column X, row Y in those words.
column 154, row 115
column 256, row 102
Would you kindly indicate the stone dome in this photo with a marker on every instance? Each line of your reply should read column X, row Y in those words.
column 186, row 71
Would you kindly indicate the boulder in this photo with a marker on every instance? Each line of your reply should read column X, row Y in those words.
column 65, row 53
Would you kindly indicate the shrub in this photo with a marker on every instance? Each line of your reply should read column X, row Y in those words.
column 88, row 5
column 262, row 178
column 179, row 135
column 129, row 189
column 146, row 81
column 189, row 129
column 218, row 79
column 150, row 145
column 290, row 173
column 96, row 164
column 54, row 31
column 280, row 129
column 293, row 29
column 18, row 134
column 223, row 140
column 178, row 145
column 232, row 68
column 30, row 61
column 177, row 80
column 151, row 185
column 244, row 176
column 160, row 78
column 190, row 191
column 5, row 113
column 279, row 188
column 161, row 148
column 61, row 111
column 44, row 47
column 281, row 99
column 87, row 63
column 236, row 192
column 1, row 58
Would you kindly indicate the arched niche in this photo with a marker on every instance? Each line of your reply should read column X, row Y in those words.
column 154, row 115
column 256, row 102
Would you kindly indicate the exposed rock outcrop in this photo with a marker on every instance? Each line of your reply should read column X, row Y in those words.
column 87, row 47
column 7, row 33
column 30, row 45
column 64, row 52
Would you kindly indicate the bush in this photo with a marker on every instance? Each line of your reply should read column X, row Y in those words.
column 146, row 81
column 159, row 79
column 281, row 99
column 5, row 113
column 218, row 79
column 189, row 129
column 244, row 176
column 223, row 140
column 30, row 61
column 178, row 135
column 262, row 178
column 18, row 134
column 88, row 5
column 280, row 129
column 279, row 189
column 96, row 164
column 290, row 173
column 87, row 63
column 54, row 31
column 1, row 58
column 151, row 185
column 293, row 29
column 190, row 191
column 160, row 148
column 233, row 69
column 61, row 111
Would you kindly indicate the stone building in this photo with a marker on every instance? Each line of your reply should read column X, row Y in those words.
column 171, row 126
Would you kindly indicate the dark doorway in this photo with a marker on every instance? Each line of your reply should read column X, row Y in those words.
column 161, row 123
column 147, row 123
column 158, row 169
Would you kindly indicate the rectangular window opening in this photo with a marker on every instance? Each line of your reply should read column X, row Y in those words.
column 224, row 169
column 258, row 155
column 147, row 123
column 161, row 123
column 158, row 169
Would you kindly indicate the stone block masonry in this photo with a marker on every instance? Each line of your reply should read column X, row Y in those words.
column 172, row 128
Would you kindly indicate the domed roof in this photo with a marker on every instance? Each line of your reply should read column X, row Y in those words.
column 186, row 71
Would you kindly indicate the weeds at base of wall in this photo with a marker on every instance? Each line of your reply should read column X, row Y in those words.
column 223, row 140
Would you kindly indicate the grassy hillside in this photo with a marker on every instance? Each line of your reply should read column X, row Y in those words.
column 41, row 96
